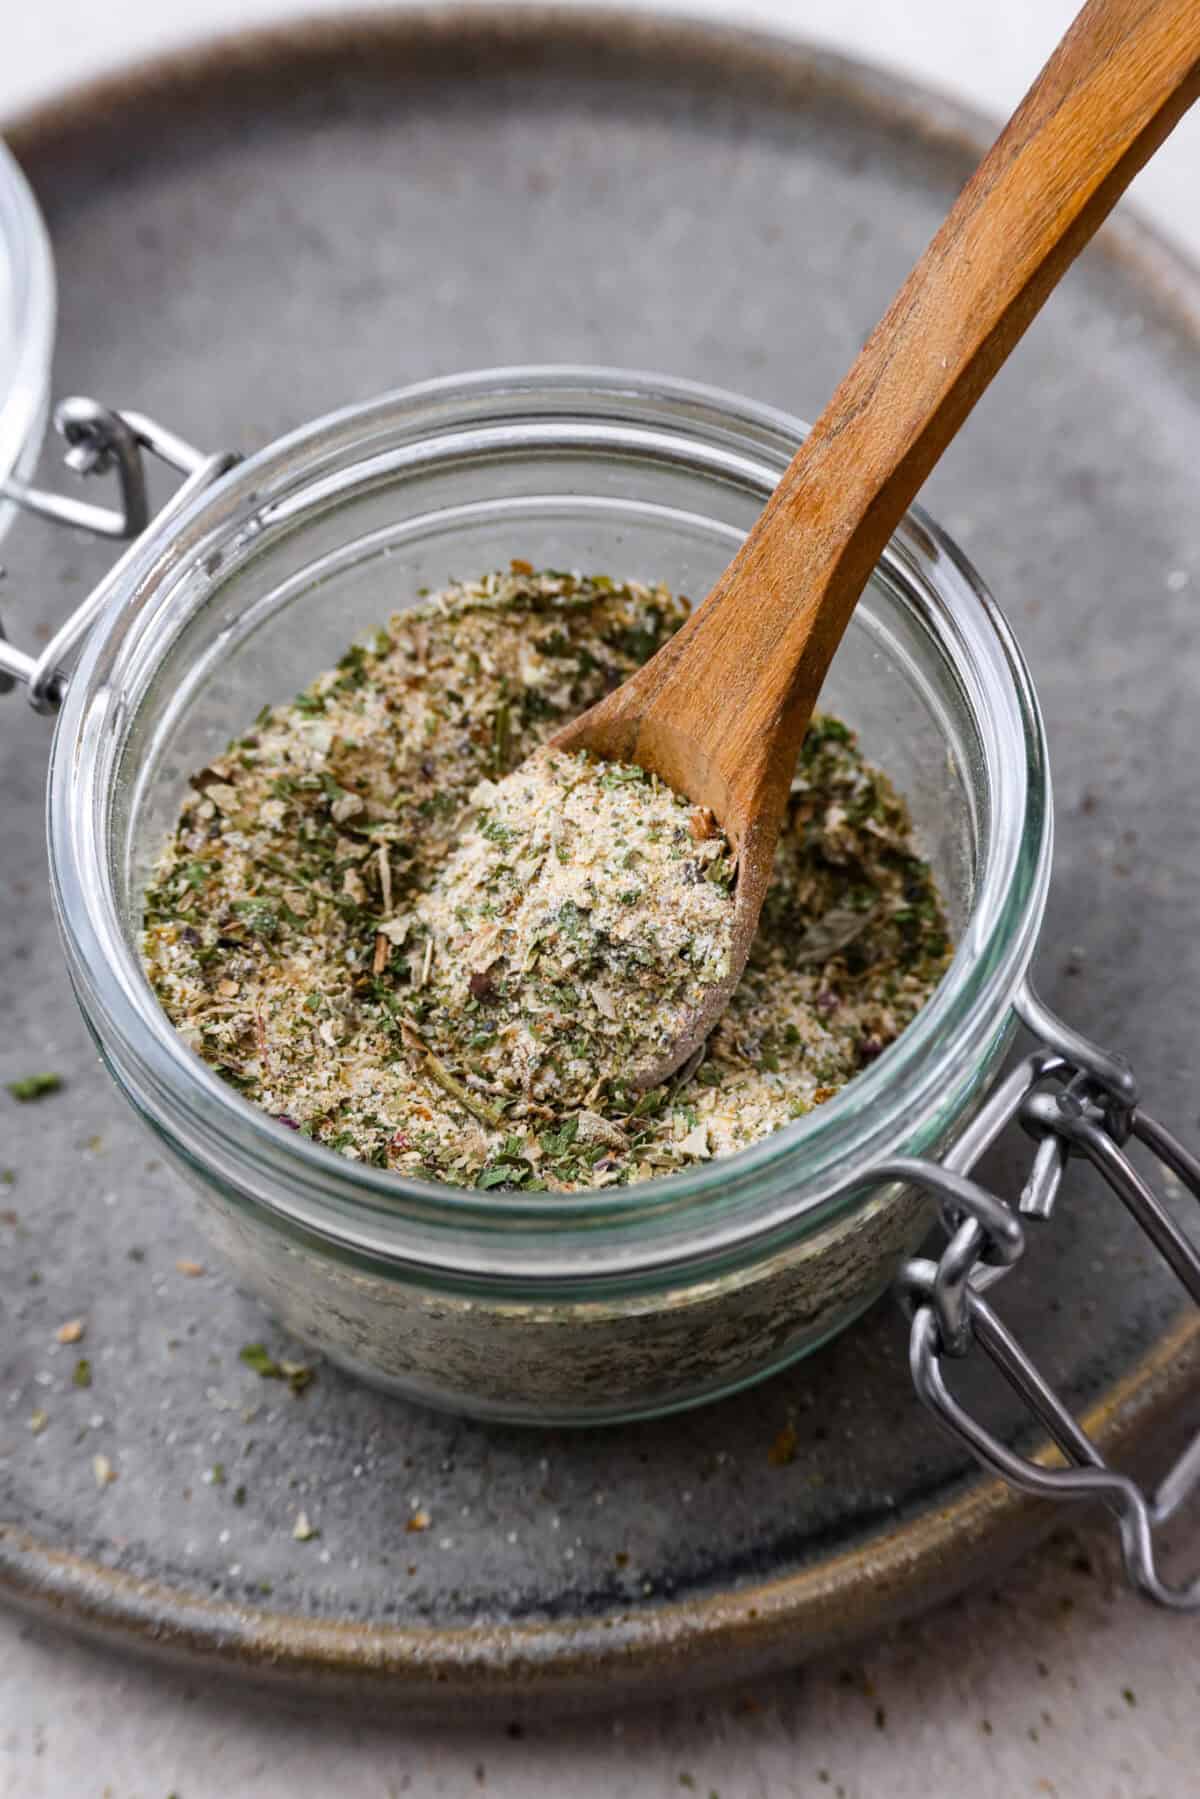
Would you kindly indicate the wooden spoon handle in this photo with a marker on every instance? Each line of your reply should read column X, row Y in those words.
column 734, row 689
column 1118, row 82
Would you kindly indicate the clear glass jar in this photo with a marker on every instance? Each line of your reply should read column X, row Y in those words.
column 27, row 318
column 547, row 1308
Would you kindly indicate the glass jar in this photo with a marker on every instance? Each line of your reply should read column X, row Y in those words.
column 563, row 1308
column 27, row 315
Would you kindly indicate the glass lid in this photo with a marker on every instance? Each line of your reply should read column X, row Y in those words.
column 27, row 309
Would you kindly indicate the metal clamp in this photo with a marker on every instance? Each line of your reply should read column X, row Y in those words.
column 99, row 440
column 1073, row 1098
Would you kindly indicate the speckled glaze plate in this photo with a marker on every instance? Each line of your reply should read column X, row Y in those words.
column 250, row 237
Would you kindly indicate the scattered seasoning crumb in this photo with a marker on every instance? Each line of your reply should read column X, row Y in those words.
column 191, row 1269
column 783, row 1449
column 215, row 1476
column 34, row 1086
column 688, row 1781
column 319, row 930
column 103, row 1471
column 302, row 1530
column 880, row 1717
column 8, row 1177
column 38, row 1422
column 1129, row 1696
column 71, row 1331
column 985, row 1724
column 239, row 1495
column 420, row 1520
column 82, row 1376
column 298, row 1375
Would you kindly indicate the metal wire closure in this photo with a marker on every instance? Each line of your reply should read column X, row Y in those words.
column 99, row 440
column 1073, row 1099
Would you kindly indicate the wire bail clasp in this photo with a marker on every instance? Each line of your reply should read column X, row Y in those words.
column 1073, row 1099
column 100, row 441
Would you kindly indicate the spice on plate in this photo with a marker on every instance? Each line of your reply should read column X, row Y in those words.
column 783, row 1449
column 34, row 1086
column 298, row 1375
column 370, row 932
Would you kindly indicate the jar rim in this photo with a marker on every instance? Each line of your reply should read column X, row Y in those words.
column 28, row 301
column 801, row 1172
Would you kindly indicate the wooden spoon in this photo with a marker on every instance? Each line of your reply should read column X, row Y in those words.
column 720, row 712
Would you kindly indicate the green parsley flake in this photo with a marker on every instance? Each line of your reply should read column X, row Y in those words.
column 34, row 1086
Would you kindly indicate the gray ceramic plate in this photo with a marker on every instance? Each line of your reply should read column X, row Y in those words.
column 249, row 238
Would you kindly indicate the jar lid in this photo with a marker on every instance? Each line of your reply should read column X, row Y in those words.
column 27, row 320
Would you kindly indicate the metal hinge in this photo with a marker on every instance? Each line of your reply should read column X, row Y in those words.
column 99, row 441
column 1073, row 1098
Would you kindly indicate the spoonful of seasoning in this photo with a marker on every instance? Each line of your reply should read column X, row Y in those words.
column 676, row 782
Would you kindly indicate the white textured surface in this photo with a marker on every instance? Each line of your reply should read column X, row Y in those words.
column 1061, row 1685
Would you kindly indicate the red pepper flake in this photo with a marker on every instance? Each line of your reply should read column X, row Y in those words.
column 519, row 566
